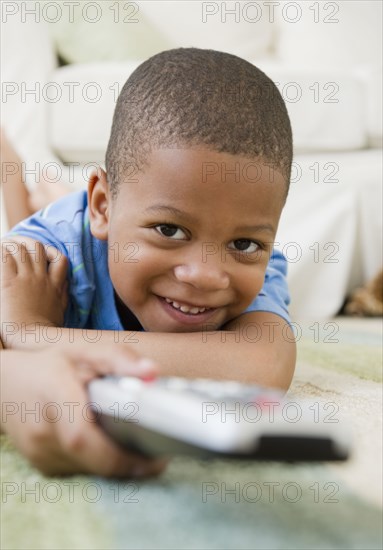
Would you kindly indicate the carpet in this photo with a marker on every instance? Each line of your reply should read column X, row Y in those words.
column 229, row 504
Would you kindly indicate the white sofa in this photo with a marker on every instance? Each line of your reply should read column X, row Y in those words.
column 326, row 61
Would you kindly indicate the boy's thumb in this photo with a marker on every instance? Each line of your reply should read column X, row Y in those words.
column 112, row 360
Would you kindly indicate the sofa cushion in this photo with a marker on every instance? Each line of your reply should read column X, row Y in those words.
column 240, row 29
column 337, row 36
column 318, row 102
column 80, row 120
column 117, row 31
column 331, row 229
column 86, row 94
column 330, row 35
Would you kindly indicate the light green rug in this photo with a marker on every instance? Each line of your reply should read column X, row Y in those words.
column 227, row 504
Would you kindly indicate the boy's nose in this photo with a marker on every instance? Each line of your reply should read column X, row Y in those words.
column 204, row 276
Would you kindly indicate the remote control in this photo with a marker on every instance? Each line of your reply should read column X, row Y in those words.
column 207, row 418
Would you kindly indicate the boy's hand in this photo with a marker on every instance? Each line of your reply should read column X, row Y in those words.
column 33, row 286
column 60, row 435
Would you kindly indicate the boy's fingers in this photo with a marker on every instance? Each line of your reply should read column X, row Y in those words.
column 8, row 263
column 38, row 258
column 90, row 450
column 60, row 465
column 98, row 455
column 105, row 460
column 58, row 268
column 29, row 256
column 114, row 359
column 64, row 295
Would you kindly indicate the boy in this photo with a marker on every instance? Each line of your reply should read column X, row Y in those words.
column 171, row 249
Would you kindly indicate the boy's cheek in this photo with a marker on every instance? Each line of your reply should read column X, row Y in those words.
column 251, row 284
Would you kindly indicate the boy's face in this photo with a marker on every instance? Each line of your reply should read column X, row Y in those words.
column 190, row 240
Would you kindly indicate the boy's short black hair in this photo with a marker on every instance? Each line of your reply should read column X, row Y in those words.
column 188, row 97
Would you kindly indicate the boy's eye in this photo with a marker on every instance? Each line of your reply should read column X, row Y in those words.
column 170, row 231
column 244, row 245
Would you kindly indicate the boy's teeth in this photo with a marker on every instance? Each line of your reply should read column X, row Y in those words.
column 186, row 309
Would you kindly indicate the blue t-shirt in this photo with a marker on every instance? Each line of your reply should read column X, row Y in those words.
column 64, row 225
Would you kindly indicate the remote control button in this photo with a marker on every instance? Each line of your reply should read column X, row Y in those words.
column 175, row 383
column 130, row 383
column 233, row 388
column 209, row 388
column 200, row 384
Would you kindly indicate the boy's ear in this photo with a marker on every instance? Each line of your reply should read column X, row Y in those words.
column 98, row 204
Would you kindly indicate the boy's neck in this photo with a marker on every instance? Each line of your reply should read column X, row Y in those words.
column 128, row 320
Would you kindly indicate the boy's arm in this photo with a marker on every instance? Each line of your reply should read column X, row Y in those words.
column 257, row 347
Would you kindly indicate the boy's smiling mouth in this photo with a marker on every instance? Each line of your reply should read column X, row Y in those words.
column 186, row 313
column 185, row 308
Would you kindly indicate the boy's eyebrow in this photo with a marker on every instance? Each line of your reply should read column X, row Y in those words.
column 170, row 210
column 180, row 213
column 255, row 228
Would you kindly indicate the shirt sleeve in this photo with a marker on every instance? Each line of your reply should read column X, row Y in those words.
column 274, row 296
column 58, row 225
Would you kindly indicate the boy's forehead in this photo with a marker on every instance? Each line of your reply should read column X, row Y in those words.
column 202, row 181
column 207, row 165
